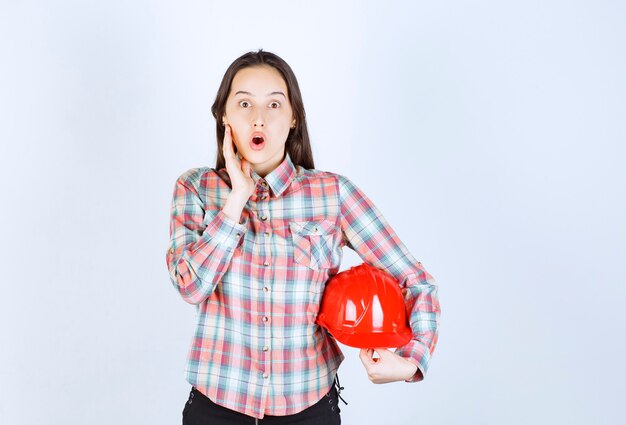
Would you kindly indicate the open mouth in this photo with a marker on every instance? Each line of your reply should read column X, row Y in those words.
column 257, row 142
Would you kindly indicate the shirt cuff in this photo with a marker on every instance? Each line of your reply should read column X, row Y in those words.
column 222, row 231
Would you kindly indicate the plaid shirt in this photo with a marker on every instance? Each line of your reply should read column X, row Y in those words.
column 257, row 283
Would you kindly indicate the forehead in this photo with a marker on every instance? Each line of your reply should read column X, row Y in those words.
column 258, row 80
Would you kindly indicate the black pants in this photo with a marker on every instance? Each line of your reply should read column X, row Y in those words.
column 200, row 410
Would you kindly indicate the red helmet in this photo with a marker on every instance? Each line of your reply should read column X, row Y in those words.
column 363, row 307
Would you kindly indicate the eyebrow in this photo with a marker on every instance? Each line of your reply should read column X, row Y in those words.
column 269, row 94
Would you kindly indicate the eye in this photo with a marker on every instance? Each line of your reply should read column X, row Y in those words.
column 242, row 103
column 275, row 103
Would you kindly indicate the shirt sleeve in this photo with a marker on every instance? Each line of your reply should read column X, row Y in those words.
column 202, row 241
column 367, row 232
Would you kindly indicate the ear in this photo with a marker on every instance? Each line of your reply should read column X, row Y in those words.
column 224, row 121
column 293, row 123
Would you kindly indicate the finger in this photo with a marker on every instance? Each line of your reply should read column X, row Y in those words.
column 367, row 356
column 226, row 143
column 379, row 354
column 228, row 139
column 231, row 159
column 232, row 145
column 363, row 355
column 382, row 352
column 365, row 359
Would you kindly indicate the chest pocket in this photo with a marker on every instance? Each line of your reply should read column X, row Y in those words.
column 313, row 242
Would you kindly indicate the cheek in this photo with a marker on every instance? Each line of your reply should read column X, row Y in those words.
column 281, row 124
column 236, row 138
column 236, row 116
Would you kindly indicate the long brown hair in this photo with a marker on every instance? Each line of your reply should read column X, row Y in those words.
column 297, row 145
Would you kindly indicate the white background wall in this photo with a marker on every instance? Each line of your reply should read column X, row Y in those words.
column 489, row 133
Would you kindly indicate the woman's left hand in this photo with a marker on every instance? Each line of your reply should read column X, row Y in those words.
column 388, row 367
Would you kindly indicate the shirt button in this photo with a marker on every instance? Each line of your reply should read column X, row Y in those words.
column 266, row 289
column 171, row 250
column 266, row 375
column 263, row 217
column 264, row 183
column 267, row 263
column 264, row 197
column 238, row 234
column 267, row 233
column 265, row 318
column 266, row 348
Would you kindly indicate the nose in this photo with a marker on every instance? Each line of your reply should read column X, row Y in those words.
column 258, row 120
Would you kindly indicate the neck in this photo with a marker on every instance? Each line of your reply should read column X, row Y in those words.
column 264, row 169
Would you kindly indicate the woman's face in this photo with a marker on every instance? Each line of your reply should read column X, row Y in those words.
column 260, row 116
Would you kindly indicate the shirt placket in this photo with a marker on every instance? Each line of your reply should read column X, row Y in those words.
column 265, row 310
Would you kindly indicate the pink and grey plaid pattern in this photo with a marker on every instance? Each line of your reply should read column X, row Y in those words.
column 257, row 283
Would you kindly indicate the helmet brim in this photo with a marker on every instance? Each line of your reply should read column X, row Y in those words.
column 373, row 339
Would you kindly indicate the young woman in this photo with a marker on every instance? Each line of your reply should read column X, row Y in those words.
column 253, row 242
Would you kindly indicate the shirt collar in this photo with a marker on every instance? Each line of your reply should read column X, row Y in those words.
column 280, row 177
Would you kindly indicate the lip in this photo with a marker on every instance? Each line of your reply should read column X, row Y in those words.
column 258, row 134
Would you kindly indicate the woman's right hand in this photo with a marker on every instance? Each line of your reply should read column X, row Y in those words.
column 238, row 170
